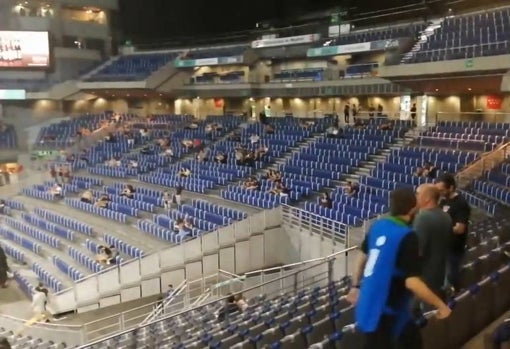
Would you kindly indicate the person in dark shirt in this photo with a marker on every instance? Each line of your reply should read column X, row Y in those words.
column 460, row 212
column 325, row 200
column 413, row 113
column 387, row 275
column 229, row 308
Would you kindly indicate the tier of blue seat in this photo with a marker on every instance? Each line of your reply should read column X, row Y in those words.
column 305, row 74
column 132, row 67
column 64, row 133
column 468, row 36
column 320, row 314
column 18, row 341
column 8, row 138
column 390, row 32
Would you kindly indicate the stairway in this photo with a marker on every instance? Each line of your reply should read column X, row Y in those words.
column 423, row 38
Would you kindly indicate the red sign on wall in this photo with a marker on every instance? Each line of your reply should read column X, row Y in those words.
column 494, row 102
column 218, row 102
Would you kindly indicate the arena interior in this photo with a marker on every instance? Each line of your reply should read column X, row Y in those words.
column 144, row 185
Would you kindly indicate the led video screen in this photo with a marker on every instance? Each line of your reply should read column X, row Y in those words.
column 24, row 49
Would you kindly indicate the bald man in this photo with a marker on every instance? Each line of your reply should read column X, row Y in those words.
column 433, row 227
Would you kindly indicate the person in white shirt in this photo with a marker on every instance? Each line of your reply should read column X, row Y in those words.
column 254, row 138
column 39, row 300
column 56, row 190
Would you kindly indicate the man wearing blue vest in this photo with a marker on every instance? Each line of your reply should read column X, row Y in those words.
column 387, row 277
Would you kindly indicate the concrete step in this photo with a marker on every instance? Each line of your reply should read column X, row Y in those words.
column 378, row 158
column 363, row 171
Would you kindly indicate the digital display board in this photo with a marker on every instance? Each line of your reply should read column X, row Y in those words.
column 24, row 49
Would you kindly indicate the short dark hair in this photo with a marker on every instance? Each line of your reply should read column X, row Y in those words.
column 402, row 201
column 231, row 298
column 448, row 179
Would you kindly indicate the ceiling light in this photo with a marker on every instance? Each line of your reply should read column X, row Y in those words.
column 469, row 88
column 437, row 89
column 127, row 95
column 145, row 95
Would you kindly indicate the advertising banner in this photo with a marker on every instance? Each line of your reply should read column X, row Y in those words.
column 352, row 48
column 187, row 63
column 290, row 40
column 24, row 49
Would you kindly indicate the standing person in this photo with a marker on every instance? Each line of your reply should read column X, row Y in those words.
column 413, row 114
column 347, row 111
column 386, row 278
column 433, row 227
column 4, row 268
column 460, row 212
column 178, row 195
column 4, row 343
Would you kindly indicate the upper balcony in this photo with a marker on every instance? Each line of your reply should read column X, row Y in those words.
column 104, row 4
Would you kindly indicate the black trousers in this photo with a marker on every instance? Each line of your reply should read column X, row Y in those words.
column 382, row 337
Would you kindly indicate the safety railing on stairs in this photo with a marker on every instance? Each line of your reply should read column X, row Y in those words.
column 289, row 279
column 485, row 163
column 166, row 306
column 327, row 229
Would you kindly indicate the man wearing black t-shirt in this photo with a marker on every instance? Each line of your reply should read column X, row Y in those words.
column 459, row 210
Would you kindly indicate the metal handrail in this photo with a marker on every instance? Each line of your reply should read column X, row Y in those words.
column 160, row 307
column 324, row 260
column 462, row 47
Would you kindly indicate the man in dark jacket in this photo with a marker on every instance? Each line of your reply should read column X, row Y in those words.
column 3, row 268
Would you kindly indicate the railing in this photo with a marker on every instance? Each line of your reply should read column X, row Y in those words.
column 490, row 117
column 486, row 163
column 455, row 143
column 165, row 304
column 326, row 229
column 167, row 258
column 70, row 334
column 448, row 55
column 316, row 272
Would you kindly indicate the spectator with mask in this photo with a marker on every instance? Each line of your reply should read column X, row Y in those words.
column 453, row 203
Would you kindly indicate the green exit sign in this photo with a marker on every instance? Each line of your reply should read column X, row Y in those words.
column 470, row 63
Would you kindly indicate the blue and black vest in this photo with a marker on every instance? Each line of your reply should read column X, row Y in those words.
column 383, row 240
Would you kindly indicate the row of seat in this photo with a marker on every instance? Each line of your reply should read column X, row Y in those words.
column 67, row 269
column 67, row 222
column 20, row 240
column 103, row 212
column 35, row 233
column 84, row 260
column 48, row 226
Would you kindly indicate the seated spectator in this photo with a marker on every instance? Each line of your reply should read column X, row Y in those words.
column 429, row 170
column 360, row 124
column 184, row 173
column 114, row 253
column 133, row 164
column 325, row 201
column 70, row 157
column 144, row 132
column 2, row 207
column 163, row 142
column 386, row 126
column 252, row 184
column 187, row 143
column 202, row 156
column 254, row 138
column 87, row 196
column 239, row 154
column 249, row 159
column 218, row 127
column 128, row 191
column 167, row 200
column 178, row 195
column 229, row 308
column 112, row 162
column 179, row 225
column 332, row 132
column 56, row 190
column 103, row 255
column 241, row 302
column 188, row 223
column 352, row 188
column 110, row 138
column 192, row 126
column 220, row 158
column 280, row 189
column 103, row 201
column 235, row 136
column 261, row 152
column 66, row 174
column 268, row 129
column 419, row 172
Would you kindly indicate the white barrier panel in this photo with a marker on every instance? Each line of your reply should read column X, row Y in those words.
column 109, row 283
column 227, row 259
column 149, row 266
column 64, row 302
column 193, row 250
column 109, row 301
column 130, row 273
column 257, row 252
column 87, row 293
column 242, row 253
column 151, row 287
column 226, row 236
column 194, row 270
column 172, row 258
column 210, row 242
column 210, row 264
column 257, row 223
column 130, row 294
column 243, row 229
column 273, row 218
column 174, row 277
